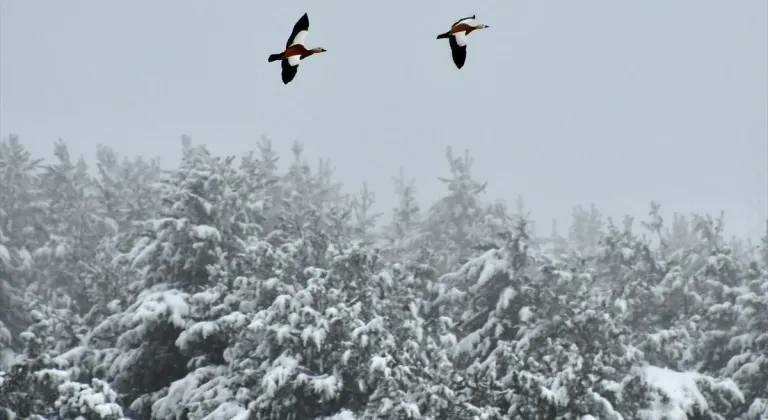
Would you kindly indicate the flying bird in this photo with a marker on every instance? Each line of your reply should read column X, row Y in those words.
column 457, row 38
column 295, row 51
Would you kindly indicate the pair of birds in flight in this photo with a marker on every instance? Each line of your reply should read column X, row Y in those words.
column 295, row 50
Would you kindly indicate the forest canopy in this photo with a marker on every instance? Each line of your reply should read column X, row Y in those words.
column 260, row 288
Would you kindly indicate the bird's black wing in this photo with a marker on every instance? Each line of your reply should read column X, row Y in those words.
column 289, row 71
column 457, row 22
column 458, row 52
column 301, row 25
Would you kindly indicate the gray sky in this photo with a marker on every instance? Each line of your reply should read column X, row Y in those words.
column 564, row 102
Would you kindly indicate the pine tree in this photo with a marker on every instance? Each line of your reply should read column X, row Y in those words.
column 402, row 233
column 201, row 236
column 586, row 229
column 22, row 231
column 75, row 233
column 124, row 189
column 558, row 244
column 364, row 219
column 453, row 223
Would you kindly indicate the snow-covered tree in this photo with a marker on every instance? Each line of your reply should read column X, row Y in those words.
column 124, row 188
column 75, row 231
column 218, row 290
column 203, row 220
column 586, row 229
column 680, row 235
column 312, row 208
column 364, row 218
column 453, row 224
column 402, row 234
column 22, row 231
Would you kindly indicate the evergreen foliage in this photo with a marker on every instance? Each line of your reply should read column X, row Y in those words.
column 225, row 289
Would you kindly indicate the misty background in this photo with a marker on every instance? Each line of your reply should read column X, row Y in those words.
column 563, row 103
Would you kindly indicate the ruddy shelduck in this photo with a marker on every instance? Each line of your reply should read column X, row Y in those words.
column 457, row 38
column 295, row 51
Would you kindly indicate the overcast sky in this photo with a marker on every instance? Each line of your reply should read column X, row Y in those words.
column 563, row 102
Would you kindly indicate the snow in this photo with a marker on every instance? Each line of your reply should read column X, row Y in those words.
column 326, row 387
column 681, row 390
column 286, row 317
column 170, row 303
column 37, row 316
column 492, row 266
column 278, row 375
column 466, row 344
column 283, row 333
column 525, row 314
column 228, row 411
column 197, row 331
column 7, row 358
column 143, row 253
column 342, row 415
column 113, row 306
column 70, row 357
column 58, row 375
column 627, row 253
column 25, row 256
column 317, row 335
column 5, row 256
column 62, row 250
column 206, row 232
column 758, row 409
column 5, row 335
column 379, row 363
column 235, row 320
column 621, row 305
column 505, row 299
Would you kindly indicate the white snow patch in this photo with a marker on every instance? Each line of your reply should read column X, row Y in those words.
column 627, row 253
column 379, row 363
column 525, row 314
column 206, row 232
column 326, row 386
column 342, row 415
column 491, row 267
column 178, row 308
column 620, row 304
column 171, row 303
column 200, row 330
column 228, row 411
column 279, row 374
column 679, row 387
column 505, row 299
column 5, row 256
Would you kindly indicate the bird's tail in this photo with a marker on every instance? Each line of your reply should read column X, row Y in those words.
column 443, row 36
column 274, row 57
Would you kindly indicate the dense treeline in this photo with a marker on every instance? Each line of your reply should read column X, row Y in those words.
column 233, row 289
